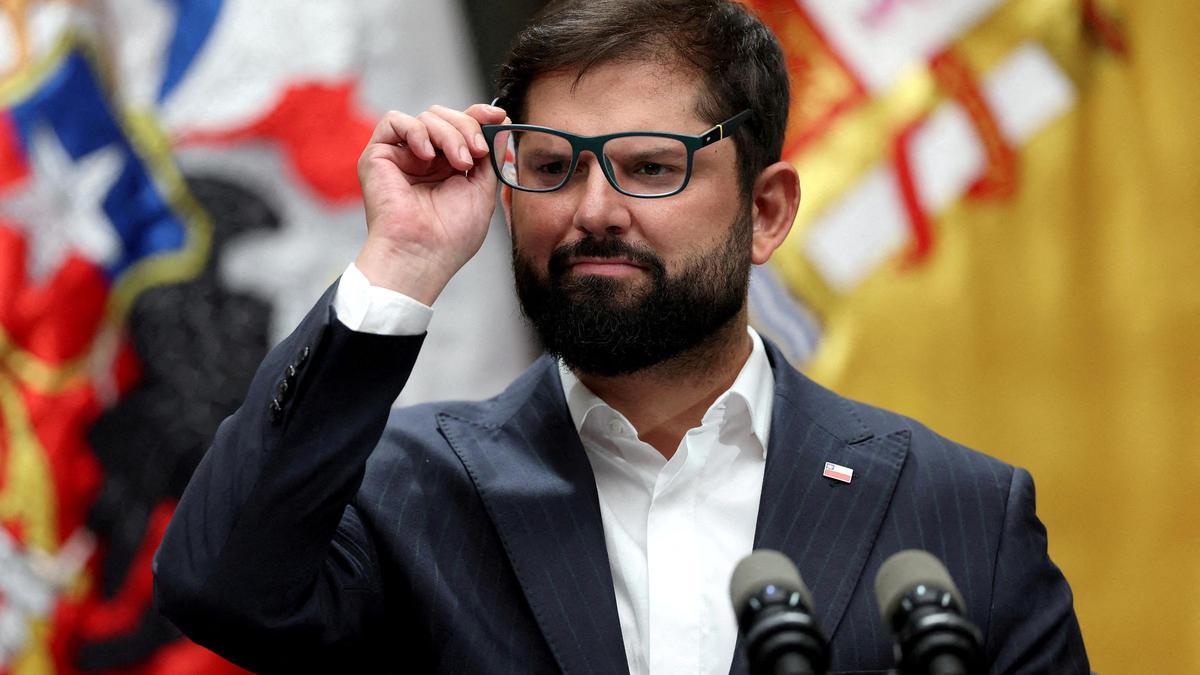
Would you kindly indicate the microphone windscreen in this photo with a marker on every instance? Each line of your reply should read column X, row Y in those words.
column 906, row 570
column 760, row 569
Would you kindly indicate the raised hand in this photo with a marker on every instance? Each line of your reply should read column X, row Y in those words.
column 429, row 193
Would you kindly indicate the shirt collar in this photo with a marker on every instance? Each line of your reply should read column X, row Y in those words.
column 753, row 389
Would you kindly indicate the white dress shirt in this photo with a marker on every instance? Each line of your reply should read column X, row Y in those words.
column 674, row 529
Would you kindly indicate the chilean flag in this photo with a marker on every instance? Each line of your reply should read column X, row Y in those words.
column 91, row 214
column 838, row 472
column 177, row 184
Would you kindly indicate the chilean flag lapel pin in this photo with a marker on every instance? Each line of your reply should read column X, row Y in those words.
column 838, row 472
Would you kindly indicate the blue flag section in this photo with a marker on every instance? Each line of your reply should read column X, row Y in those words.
column 194, row 23
column 70, row 104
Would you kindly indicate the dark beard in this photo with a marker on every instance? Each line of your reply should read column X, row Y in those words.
column 597, row 326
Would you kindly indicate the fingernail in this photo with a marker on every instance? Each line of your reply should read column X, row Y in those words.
column 494, row 109
column 465, row 156
column 480, row 142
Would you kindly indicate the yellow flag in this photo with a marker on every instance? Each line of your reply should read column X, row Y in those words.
column 1000, row 236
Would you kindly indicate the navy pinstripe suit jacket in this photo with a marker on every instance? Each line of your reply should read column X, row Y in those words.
column 318, row 534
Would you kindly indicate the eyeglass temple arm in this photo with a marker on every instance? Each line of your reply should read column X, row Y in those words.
column 726, row 128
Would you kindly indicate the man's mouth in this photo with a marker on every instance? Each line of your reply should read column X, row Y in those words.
column 610, row 258
column 603, row 266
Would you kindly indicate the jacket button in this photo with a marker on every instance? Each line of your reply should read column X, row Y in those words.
column 282, row 391
column 302, row 356
column 290, row 373
column 274, row 410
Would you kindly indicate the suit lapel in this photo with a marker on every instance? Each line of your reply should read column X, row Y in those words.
column 827, row 527
column 537, row 486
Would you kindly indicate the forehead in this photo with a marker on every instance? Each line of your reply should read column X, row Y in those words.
column 615, row 97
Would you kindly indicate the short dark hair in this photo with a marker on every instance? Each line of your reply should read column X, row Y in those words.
column 738, row 59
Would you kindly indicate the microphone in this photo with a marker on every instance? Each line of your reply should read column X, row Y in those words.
column 774, row 613
column 924, row 610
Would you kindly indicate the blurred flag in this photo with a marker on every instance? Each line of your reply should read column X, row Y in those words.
column 997, row 236
column 177, row 186
column 91, row 215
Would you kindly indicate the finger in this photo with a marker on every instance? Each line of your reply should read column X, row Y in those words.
column 405, row 131
column 486, row 114
column 467, row 125
column 449, row 140
column 414, row 169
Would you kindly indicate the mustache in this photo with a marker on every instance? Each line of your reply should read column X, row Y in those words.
column 609, row 247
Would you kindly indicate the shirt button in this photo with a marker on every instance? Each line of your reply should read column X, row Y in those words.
column 615, row 427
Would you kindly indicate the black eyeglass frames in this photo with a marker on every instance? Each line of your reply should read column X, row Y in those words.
column 636, row 163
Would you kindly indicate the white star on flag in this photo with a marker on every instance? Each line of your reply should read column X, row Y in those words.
column 61, row 204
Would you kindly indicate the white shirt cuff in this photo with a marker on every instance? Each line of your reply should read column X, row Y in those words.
column 373, row 309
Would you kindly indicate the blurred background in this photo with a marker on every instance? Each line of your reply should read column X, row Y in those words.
column 999, row 236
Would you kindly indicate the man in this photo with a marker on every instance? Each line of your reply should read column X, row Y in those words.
column 587, row 519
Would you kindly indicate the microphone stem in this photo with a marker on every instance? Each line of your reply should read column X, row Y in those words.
column 947, row 664
column 793, row 664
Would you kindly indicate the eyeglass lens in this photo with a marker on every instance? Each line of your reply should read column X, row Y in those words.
column 640, row 165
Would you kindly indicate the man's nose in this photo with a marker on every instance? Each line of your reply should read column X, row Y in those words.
column 601, row 211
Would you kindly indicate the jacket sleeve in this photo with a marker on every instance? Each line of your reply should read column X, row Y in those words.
column 1032, row 626
column 265, row 561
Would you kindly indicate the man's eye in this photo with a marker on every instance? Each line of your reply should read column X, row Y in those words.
column 552, row 168
column 652, row 169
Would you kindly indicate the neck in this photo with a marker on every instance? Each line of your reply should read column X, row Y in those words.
column 667, row 399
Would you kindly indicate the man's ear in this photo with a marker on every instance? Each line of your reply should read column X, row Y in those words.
column 506, row 204
column 774, row 203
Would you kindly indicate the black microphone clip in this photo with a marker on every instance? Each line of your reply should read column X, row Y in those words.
column 936, row 637
column 774, row 612
column 781, row 624
column 920, row 603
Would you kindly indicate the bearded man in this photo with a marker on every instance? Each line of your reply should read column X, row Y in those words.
column 587, row 519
